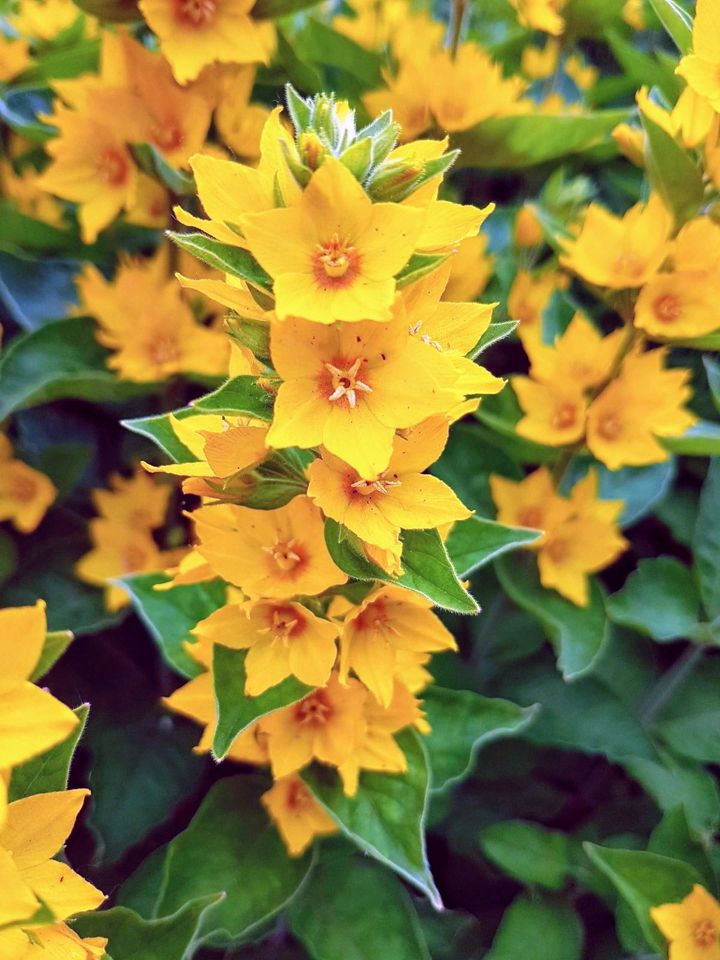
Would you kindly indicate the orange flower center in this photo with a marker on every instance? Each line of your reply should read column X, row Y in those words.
column 531, row 517
column 133, row 558
column 367, row 488
column 168, row 137
column 163, row 349
column 609, row 426
column 558, row 550
column 335, row 263
column 284, row 623
column 344, row 382
column 629, row 265
column 565, row 416
column 373, row 617
column 24, row 489
column 195, row 13
column 704, row 933
column 284, row 554
column 298, row 797
column 668, row 308
column 315, row 710
column 112, row 166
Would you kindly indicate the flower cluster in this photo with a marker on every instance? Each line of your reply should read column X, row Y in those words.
column 37, row 892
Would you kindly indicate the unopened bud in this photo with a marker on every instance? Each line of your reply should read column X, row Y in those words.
column 312, row 151
column 395, row 180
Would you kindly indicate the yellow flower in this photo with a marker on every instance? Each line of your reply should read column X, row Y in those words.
column 375, row 748
column 701, row 68
column 453, row 92
column 118, row 550
column 470, row 269
column 151, row 207
column 136, row 501
column 31, row 720
column 532, row 502
column 402, row 497
column 195, row 33
column 297, row 815
column 325, row 725
column 541, row 15
column 692, row 926
column 282, row 638
column 538, row 64
column 529, row 295
column 528, row 229
column 36, row 829
column 678, row 305
column 268, row 553
column 334, row 255
column 14, row 57
column 25, row 493
column 634, row 14
column 56, row 940
column 240, row 123
column 619, row 252
column 349, row 387
column 407, row 95
column 584, row 75
column 580, row 355
column 554, row 413
column 23, row 189
column 388, row 620
column 644, row 402
column 44, row 19
column 690, row 120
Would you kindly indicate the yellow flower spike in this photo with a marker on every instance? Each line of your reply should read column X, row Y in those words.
column 268, row 553
column 31, row 720
column 334, row 255
column 645, row 401
column 350, row 387
column 692, row 926
column 297, row 815
column 389, row 619
column 620, row 253
column 323, row 726
column 36, row 829
column 554, row 413
column 282, row 638
column 701, row 68
column 400, row 498
column 532, row 502
column 195, row 33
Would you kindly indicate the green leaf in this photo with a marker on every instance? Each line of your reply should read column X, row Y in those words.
column 672, row 172
column 151, row 160
column 660, row 600
column 527, row 139
column 55, row 645
column 577, row 633
column 528, row 852
column 240, row 397
column 160, row 431
column 355, row 892
column 232, row 846
column 271, row 9
column 386, row 818
column 706, row 542
column 235, row 709
column 36, row 292
column 20, row 230
column 643, row 69
column 51, row 770
column 474, row 542
column 419, row 265
column 676, row 21
column 130, row 937
column 170, row 615
column 690, row 722
column 712, row 369
column 540, row 928
column 222, row 256
column 673, row 838
column 62, row 359
column 428, row 570
column 20, row 108
column 461, row 723
column 325, row 47
column 144, row 767
column 494, row 334
column 644, row 880
column 700, row 440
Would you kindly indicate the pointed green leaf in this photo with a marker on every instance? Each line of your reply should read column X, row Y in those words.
column 474, row 542
column 418, row 266
column 538, row 927
column 56, row 643
column 170, row 615
column 236, row 711
column 462, row 722
column 706, row 542
column 528, row 852
column 51, row 770
column 160, row 431
column 386, row 818
column 660, row 600
column 150, row 159
column 239, row 397
column 235, row 260
column 677, row 23
column 494, row 334
column 672, row 172
column 700, row 440
column 712, row 370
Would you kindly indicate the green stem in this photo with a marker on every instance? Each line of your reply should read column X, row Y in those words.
column 457, row 18
column 669, row 682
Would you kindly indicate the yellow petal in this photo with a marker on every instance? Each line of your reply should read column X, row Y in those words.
column 38, row 826
column 31, row 721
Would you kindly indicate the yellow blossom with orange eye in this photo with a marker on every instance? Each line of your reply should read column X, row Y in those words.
column 334, row 255
column 532, row 502
column 25, row 493
column 620, row 252
column 325, row 725
column 581, row 355
column 701, row 68
column 297, row 815
column 195, row 33
column 554, row 414
column 31, row 720
column 542, row 15
column 349, row 387
column 692, row 927
column 268, row 553
column 137, row 501
column 282, row 639
column 35, row 830
column 644, row 402
column 402, row 497
column 388, row 620
column 529, row 296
